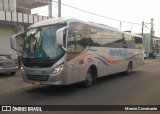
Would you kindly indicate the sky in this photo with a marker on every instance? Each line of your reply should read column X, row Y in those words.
column 134, row 11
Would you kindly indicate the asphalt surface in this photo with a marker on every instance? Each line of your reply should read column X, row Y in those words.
column 14, row 83
column 142, row 87
column 9, row 83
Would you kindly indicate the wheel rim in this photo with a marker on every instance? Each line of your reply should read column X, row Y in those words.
column 129, row 68
column 89, row 80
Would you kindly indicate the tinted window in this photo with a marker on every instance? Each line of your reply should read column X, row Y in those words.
column 127, row 41
column 77, row 39
column 138, row 42
column 4, row 57
column 132, row 42
column 111, row 39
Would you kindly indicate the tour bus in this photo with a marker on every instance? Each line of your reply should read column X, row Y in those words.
column 64, row 51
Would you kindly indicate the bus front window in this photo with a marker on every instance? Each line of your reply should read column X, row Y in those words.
column 41, row 43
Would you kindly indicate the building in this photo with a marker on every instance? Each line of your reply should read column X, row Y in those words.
column 15, row 16
column 156, row 45
column 147, row 43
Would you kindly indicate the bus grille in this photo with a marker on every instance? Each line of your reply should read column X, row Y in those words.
column 37, row 77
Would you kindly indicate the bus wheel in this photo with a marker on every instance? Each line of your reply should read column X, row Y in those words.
column 129, row 69
column 89, row 79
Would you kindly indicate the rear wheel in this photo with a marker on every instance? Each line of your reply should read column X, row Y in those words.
column 89, row 79
column 129, row 69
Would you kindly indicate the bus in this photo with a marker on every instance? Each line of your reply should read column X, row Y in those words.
column 64, row 51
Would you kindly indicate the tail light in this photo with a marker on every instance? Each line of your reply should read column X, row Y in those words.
column 15, row 64
column 1, row 64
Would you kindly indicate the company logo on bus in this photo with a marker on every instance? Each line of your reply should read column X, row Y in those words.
column 118, row 52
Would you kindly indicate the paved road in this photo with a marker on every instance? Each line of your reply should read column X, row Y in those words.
column 10, row 83
column 140, row 88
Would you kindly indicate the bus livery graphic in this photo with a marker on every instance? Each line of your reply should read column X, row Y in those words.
column 63, row 51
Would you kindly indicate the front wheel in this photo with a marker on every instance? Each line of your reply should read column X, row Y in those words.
column 129, row 69
column 89, row 79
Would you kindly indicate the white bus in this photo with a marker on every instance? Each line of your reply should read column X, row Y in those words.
column 65, row 51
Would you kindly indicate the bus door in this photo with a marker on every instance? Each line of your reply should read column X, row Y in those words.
column 73, row 51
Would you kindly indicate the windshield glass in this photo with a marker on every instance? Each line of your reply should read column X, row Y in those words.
column 41, row 42
column 5, row 57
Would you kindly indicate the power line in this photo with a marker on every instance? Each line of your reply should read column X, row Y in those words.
column 147, row 27
column 97, row 14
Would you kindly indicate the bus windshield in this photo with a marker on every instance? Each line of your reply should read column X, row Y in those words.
column 41, row 43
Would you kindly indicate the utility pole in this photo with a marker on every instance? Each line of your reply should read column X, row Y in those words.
column 15, row 5
column 59, row 8
column 152, row 35
column 120, row 26
column 50, row 9
column 142, row 27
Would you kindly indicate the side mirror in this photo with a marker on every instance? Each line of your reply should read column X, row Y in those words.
column 60, row 36
column 17, row 41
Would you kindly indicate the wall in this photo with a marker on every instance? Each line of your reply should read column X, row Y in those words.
column 6, row 31
column 146, row 41
column 7, row 5
column 9, row 19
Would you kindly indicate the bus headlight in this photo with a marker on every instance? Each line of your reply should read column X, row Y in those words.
column 58, row 68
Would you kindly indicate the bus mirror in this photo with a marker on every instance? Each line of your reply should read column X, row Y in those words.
column 60, row 35
column 17, row 41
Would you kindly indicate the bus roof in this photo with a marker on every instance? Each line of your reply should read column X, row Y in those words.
column 68, row 20
column 132, row 34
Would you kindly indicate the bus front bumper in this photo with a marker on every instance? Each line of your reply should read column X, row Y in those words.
column 51, row 79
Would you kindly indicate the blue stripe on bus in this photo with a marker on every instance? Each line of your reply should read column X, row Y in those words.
column 105, row 63
column 134, row 56
column 102, row 61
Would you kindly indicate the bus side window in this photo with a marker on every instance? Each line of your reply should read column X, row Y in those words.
column 64, row 38
column 76, row 44
column 71, row 43
column 138, row 42
column 124, row 43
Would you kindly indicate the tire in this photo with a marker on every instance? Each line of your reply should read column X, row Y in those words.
column 13, row 73
column 89, row 79
column 129, row 69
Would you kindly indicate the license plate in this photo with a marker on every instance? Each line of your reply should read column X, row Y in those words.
column 37, row 83
column 7, row 65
